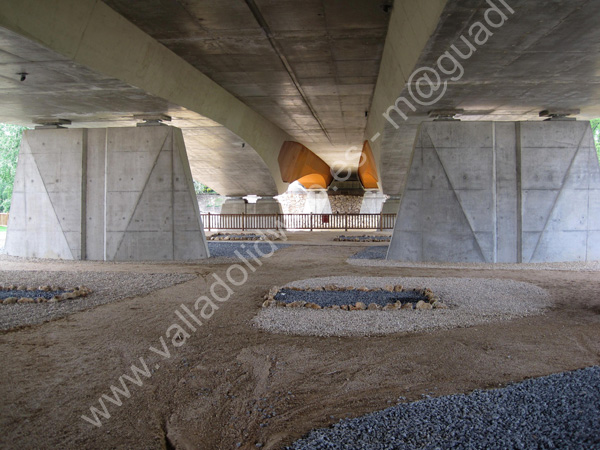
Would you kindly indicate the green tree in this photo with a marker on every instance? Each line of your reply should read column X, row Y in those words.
column 10, row 142
column 202, row 188
column 596, row 130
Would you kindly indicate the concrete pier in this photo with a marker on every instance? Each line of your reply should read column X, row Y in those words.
column 501, row 192
column 122, row 194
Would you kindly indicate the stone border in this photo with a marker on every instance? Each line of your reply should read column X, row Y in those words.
column 471, row 301
column 433, row 301
column 242, row 237
column 68, row 294
column 363, row 238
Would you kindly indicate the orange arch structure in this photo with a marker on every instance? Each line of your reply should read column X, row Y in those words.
column 298, row 163
column 367, row 169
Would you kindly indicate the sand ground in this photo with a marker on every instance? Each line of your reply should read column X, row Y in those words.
column 231, row 383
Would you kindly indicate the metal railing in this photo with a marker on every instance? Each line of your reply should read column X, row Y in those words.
column 298, row 221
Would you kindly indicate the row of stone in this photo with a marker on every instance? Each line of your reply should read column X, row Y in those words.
column 237, row 237
column 14, row 287
column 425, row 292
column 334, row 287
column 364, row 238
column 421, row 305
column 432, row 301
column 72, row 293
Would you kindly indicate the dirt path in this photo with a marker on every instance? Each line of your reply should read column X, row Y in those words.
column 232, row 383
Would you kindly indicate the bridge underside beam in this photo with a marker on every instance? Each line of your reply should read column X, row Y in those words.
column 501, row 192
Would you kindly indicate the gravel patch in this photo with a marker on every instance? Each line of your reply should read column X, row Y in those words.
column 471, row 302
column 30, row 294
column 228, row 249
column 243, row 237
column 560, row 411
column 330, row 298
column 375, row 257
column 364, row 238
column 220, row 253
column 375, row 252
column 106, row 286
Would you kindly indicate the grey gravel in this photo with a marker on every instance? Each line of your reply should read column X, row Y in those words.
column 30, row 294
column 374, row 256
column 228, row 249
column 471, row 302
column 560, row 411
column 330, row 298
column 364, row 238
column 106, row 286
column 374, row 252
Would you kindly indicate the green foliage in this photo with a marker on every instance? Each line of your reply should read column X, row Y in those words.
column 596, row 131
column 10, row 142
column 203, row 189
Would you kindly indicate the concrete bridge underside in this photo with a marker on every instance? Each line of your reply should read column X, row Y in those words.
column 241, row 78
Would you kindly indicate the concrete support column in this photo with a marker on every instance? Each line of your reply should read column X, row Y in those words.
column 122, row 194
column 268, row 205
column 234, row 205
column 501, row 192
column 391, row 205
column 317, row 202
column 373, row 201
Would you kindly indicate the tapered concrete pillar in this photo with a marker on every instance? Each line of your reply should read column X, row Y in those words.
column 391, row 205
column 317, row 202
column 501, row 192
column 373, row 201
column 121, row 194
column 234, row 205
column 268, row 205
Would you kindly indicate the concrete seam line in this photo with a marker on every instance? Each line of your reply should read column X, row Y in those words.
column 288, row 68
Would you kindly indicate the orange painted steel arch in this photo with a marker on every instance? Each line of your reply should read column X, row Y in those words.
column 367, row 169
column 298, row 163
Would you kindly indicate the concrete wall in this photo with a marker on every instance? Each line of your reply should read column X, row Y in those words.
column 500, row 192
column 105, row 194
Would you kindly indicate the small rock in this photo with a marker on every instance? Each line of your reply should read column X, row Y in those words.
column 281, row 304
column 398, row 288
column 335, row 307
column 41, row 300
column 422, row 306
column 312, row 306
column 345, row 308
column 363, row 289
column 10, row 300
column 407, row 306
column 374, row 307
column 25, row 300
column 296, row 304
column 268, row 303
column 389, row 288
column 389, row 307
column 360, row 306
column 44, row 288
column 439, row 305
column 22, row 288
